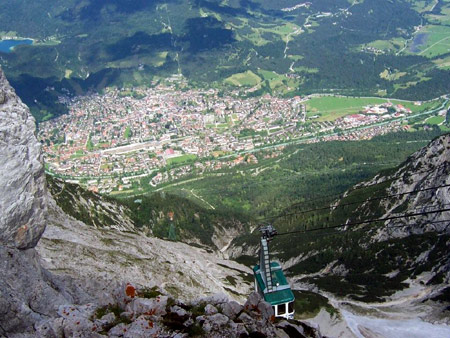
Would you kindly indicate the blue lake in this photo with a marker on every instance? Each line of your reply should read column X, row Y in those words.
column 6, row 46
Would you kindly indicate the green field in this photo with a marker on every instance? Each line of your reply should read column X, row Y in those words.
column 246, row 79
column 268, row 75
column 443, row 18
column 435, row 120
column 78, row 154
column 181, row 159
column 275, row 80
column 329, row 108
column 438, row 41
column 443, row 63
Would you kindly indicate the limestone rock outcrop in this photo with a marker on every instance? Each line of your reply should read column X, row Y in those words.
column 23, row 197
column 136, row 312
column 27, row 292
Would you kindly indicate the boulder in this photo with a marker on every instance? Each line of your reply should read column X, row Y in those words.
column 231, row 309
column 210, row 310
column 149, row 307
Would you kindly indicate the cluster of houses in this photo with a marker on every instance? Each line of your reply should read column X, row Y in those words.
column 122, row 135
column 123, row 132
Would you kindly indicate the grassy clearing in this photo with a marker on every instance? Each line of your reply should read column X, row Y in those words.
column 156, row 60
column 437, row 42
column 387, row 45
column 68, row 73
column 275, row 80
column 267, row 74
column 282, row 30
column 422, row 6
column 306, row 70
column 391, row 76
column 443, row 63
column 295, row 57
column 435, row 120
column 246, row 79
column 443, row 18
column 181, row 159
column 78, row 154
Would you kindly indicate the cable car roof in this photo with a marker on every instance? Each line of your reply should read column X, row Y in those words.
column 282, row 292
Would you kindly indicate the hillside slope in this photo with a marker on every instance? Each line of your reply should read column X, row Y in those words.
column 385, row 240
column 150, row 215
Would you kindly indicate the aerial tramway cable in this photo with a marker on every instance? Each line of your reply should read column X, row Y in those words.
column 365, row 222
column 367, row 186
column 354, row 203
column 336, row 232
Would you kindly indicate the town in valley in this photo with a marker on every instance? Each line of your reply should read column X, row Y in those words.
column 140, row 138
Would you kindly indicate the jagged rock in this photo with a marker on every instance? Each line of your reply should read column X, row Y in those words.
column 291, row 330
column 27, row 295
column 81, row 311
column 50, row 328
column 252, row 301
column 210, row 310
column 143, row 327
column 106, row 321
column 141, row 306
column 119, row 330
column 178, row 311
column 215, row 322
column 216, row 299
column 126, row 315
column 231, row 309
column 422, row 171
column 23, row 194
column 255, row 304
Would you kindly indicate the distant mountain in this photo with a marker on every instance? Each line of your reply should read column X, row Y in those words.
column 285, row 47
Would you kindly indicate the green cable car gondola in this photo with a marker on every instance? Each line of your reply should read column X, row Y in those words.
column 270, row 281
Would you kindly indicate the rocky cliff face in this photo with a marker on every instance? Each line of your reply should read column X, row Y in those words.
column 427, row 174
column 71, row 248
column 27, row 292
column 23, row 198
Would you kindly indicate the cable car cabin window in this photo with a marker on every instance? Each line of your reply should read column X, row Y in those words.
column 291, row 307
column 281, row 309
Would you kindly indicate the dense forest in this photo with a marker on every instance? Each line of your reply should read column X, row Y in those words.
column 315, row 48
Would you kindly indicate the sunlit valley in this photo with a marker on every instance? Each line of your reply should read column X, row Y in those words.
column 235, row 168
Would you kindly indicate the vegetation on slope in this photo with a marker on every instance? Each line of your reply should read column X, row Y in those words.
column 328, row 46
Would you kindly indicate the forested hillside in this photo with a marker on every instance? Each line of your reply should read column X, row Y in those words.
column 394, row 49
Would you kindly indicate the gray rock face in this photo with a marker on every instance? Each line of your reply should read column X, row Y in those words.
column 156, row 317
column 23, row 197
column 423, row 172
column 27, row 295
